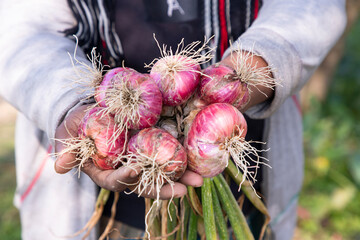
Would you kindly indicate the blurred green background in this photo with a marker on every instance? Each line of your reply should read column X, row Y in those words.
column 330, row 201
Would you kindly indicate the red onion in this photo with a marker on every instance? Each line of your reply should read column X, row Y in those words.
column 108, row 81
column 177, row 78
column 218, row 132
column 161, row 158
column 133, row 98
column 220, row 84
column 206, row 140
column 96, row 141
column 178, row 74
column 96, row 129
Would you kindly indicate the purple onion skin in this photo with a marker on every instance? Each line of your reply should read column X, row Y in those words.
column 219, row 84
column 151, row 95
column 151, row 106
column 108, row 81
column 100, row 127
column 157, row 142
column 205, row 140
column 176, row 87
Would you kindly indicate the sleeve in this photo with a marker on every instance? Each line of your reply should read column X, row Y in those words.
column 36, row 73
column 293, row 37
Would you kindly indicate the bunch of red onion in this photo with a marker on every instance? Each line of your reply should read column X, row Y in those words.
column 212, row 132
column 176, row 103
column 136, row 103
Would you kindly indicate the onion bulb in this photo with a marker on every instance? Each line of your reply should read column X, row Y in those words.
column 160, row 158
column 177, row 74
column 133, row 98
column 218, row 132
column 223, row 84
column 98, row 129
column 220, row 84
column 92, row 142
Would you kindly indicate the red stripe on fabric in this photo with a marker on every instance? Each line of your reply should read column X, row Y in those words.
column 223, row 27
column 297, row 103
column 256, row 9
column 37, row 175
column 104, row 47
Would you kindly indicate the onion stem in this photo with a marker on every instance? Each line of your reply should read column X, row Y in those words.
column 194, row 200
column 192, row 228
column 184, row 219
column 236, row 217
column 172, row 218
column 250, row 194
column 219, row 216
column 112, row 217
column 208, row 210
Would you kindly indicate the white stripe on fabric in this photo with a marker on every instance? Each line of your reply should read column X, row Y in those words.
column 117, row 40
column 228, row 19
column 248, row 14
column 93, row 15
column 81, row 28
column 105, row 26
column 207, row 18
column 207, row 25
column 89, row 18
column 216, row 28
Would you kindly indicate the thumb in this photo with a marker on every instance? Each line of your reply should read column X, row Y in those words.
column 67, row 143
column 65, row 150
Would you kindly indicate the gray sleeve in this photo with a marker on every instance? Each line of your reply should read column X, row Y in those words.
column 36, row 74
column 293, row 37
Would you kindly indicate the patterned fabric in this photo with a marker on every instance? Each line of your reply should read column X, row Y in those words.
column 225, row 20
column 95, row 28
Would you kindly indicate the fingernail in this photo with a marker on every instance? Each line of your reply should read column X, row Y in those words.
column 133, row 174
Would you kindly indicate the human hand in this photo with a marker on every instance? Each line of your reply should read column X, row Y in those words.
column 258, row 93
column 115, row 180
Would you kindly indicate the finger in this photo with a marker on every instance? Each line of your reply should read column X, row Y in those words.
column 66, row 131
column 191, row 178
column 173, row 191
column 65, row 163
column 66, row 160
column 168, row 191
column 114, row 180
